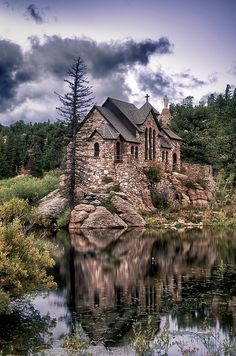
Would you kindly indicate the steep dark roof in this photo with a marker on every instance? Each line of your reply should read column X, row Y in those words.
column 165, row 143
column 171, row 134
column 145, row 110
column 127, row 110
column 108, row 132
column 118, row 125
column 125, row 119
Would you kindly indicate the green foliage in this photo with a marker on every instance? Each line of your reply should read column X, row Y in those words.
column 18, row 208
column 29, row 188
column 75, row 342
column 159, row 199
column 116, row 188
column 23, row 263
column 143, row 338
column 225, row 194
column 209, row 132
column 109, row 205
column 190, row 184
column 153, row 174
column 64, row 219
column 35, row 148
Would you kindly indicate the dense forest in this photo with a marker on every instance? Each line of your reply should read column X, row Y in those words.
column 208, row 131
column 30, row 147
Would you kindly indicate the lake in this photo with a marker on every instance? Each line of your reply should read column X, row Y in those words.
column 117, row 289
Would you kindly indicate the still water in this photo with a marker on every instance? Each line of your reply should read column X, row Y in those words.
column 112, row 285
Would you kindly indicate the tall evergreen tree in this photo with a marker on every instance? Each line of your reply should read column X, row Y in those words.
column 74, row 106
column 228, row 93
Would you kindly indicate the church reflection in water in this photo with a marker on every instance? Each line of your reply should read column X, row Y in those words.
column 116, row 279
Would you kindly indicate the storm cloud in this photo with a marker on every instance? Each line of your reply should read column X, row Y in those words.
column 56, row 54
column 107, row 63
column 11, row 61
column 35, row 13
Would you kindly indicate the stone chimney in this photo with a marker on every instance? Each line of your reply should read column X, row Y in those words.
column 165, row 114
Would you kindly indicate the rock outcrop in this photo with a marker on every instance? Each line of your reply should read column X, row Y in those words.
column 53, row 204
column 179, row 188
column 101, row 218
column 93, row 216
column 126, row 211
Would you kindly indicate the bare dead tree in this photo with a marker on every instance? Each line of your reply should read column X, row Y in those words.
column 75, row 104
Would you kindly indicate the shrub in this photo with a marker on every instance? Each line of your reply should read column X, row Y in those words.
column 116, row 188
column 109, row 205
column 64, row 219
column 153, row 174
column 190, row 184
column 19, row 208
column 143, row 338
column 159, row 200
column 23, row 263
column 29, row 188
column 75, row 342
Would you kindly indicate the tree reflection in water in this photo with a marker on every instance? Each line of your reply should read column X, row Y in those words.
column 120, row 278
column 25, row 330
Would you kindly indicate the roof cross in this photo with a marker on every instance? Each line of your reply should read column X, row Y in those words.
column 147, row 96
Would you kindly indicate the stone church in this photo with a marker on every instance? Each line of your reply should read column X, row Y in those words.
column 119, row 134
column 116, row 146
column 117, row 142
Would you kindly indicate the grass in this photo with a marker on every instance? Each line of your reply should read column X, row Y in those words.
column 28, row 188
column 215, row 215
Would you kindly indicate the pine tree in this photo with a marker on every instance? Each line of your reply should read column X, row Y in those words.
column 74, row 106
column 228, row 93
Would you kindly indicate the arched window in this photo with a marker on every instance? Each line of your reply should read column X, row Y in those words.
column 150, row 143
column 167, row 157
column 154, row 144
column 174, row 161
column 132, row 150
column 96, row 149
column 136, row 152
column 118, row 153
column 146, row 143
column 163, row 156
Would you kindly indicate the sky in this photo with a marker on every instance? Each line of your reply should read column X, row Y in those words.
column 160, row 47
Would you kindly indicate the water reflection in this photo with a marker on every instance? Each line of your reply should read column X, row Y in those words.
column 190, row 276
column 108, row 280
column 25, row 330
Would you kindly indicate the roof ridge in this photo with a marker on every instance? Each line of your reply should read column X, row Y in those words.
column 122, row 101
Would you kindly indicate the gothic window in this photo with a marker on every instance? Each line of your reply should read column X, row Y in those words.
column 174, row 161
column 154, row 144
column 118, row 153
column 132, row 150
column 146, row 143
column 150, row 143
column 96, row 149
column 163, row 156
column 136, row 152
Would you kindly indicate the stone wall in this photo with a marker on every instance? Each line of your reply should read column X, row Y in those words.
column 195, row 171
